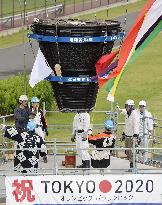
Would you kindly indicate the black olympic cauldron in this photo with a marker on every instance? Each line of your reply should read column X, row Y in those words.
column 77, row 59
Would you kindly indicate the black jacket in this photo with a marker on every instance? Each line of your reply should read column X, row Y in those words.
column 21, row 117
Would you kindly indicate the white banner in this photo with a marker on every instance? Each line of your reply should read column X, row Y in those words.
column 89, row 189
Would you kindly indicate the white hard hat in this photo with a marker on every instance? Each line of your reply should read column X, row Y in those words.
column 36, row 20
column 129, row 102
column 142, row 103
column 23, row 97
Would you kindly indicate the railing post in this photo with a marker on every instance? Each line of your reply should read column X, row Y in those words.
column 153, row 138
column 44, row 108
column 134, row 156
column 116, row 113
column 4, row 121
column 3, row 141
column 54, row 155
column 143, row 136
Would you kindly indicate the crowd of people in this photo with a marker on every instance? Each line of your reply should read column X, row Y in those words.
column 82, row 134
column 28, row 134
column 31, row 127
column 138, row 129
column 137, row 132
column 23, row 113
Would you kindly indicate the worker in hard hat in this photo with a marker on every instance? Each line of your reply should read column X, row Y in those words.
column 81, row 125
column 146, row 129
column 131, row 129
column 39, row 118
column 101, row 158
column 27, row 153
column 123, row 111
column 22, row 113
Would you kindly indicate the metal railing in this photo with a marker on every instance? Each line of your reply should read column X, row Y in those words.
column 57, row 150
column 112, row 115
column 15, row 15
column 56, row 153
column 54, row 164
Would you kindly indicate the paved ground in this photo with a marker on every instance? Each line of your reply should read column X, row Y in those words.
column 12, row 59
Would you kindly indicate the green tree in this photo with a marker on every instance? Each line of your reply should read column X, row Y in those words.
column 12, row 87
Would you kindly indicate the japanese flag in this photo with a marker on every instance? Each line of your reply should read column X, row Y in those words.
column 40, row 70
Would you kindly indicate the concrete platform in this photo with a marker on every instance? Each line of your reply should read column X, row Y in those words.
column 118, row 166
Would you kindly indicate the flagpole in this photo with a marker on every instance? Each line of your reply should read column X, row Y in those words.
column 111, row 106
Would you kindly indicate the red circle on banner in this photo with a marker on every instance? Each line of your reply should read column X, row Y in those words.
column 105, row 186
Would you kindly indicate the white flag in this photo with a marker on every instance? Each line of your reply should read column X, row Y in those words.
column 110, row 97
column 40, row 70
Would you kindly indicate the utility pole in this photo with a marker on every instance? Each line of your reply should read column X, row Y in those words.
column 25, row 83
column 45, row 8
column 35, row 7
column 55, row 9
column 64, row 7
column 1, row 12
column 13, row 13
column 107, row 9
column 74, row 6
column 24, row 11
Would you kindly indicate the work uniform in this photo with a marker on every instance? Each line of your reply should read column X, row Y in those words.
column 21, row 116
column 146, row 125
column 26, row 161
column 81, row 124
column 101, row 158
column 40, row 121
column 131, row 128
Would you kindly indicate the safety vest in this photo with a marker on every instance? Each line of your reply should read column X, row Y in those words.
column 100, row 136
